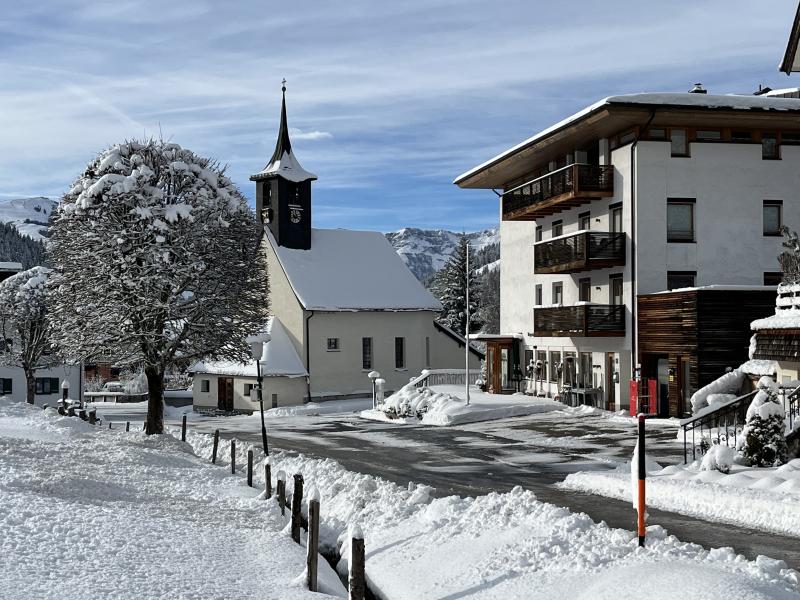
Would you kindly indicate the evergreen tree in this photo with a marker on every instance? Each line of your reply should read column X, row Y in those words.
column 490, row 300
column 156, row 259
column 15, row 247
column 450, row 286
column 765, row 432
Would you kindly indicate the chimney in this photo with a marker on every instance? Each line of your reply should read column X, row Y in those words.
column 698, row 88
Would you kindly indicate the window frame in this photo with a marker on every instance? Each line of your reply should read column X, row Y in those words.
column 400, row 353
column 6, row 386
column 336, row 346
column 557, row 285
column 771, row 135
column 205, row 386
column 672, row 152
column 585, row 218
column 539, row 233
column 772, row 204
column 613, row 279
column 538, row 295
column 553, row 375
column 677, row 274
column 367, row 352
column 691, row 202
column 587, row 282
column 557, row 226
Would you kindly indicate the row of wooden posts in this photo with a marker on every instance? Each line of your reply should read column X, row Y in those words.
column 356, row 579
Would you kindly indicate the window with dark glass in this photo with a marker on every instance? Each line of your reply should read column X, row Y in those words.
column 790, row 138
column 366, row 353
column 538, row 295
column 615, row 289
column 679, row 145
column 680, row 279
column 585, row 289
column 680, row 220
column 557, row 228
column 741, row 136
column 539, row 233
column 205, row 385
column 769, row 146
column 399, row 353
column 708, row 135
column 333, row 344
column 616, row 219
column 6, row 386
column 772, row 217
column 46, row 385
column 584, row 221
column 773, row 277
column 558, row 293
column 657, row 134
column 555, row 366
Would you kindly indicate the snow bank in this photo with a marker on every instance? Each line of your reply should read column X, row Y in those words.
column 444, row 405
column 92, row 513
column 710, row 494
column 729, row 383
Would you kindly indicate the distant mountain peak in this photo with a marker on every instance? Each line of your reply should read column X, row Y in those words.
column 30, row 215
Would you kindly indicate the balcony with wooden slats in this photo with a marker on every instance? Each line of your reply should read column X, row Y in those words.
column 585, row 320
column 582, row 251
column 560, row 190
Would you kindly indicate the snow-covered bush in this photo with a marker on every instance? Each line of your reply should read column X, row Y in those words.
column 412, row 402
column 764, row 434
column 718, row 458
column 157, row 260
column 25, row 329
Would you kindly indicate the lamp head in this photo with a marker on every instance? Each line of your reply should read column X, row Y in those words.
column 373, row 375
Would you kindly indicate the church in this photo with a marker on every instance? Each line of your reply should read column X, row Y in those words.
column 345, row 300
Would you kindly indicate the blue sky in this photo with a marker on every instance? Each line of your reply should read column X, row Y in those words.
column 387, row 101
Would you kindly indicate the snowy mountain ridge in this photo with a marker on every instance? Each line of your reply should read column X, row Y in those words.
column 425, row 251
column 30, row 216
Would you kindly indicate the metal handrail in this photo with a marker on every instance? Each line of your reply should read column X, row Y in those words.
column 542, row 177
column 712, row 418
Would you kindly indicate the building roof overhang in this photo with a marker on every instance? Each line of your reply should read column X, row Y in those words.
column 791, row 63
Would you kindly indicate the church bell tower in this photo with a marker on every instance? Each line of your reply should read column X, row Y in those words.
column 283, row 192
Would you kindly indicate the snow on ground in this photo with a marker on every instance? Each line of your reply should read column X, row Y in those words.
column 92, row 513
column 761, row 498
column 512, row 546
column 444, row 405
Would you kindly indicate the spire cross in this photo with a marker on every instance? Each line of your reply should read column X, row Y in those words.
column 283, row 85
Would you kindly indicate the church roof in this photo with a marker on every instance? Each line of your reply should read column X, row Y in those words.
column 283, row 161
column 280, row 358
column 349, row 270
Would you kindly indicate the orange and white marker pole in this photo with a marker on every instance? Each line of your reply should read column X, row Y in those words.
column 641, row 505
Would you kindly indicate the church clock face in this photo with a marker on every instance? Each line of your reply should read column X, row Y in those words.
column 295, row 215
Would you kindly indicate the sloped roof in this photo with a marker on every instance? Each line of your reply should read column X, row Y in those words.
column 729, row 102
column 349, row 270
column 281, row 358
column 790, row 62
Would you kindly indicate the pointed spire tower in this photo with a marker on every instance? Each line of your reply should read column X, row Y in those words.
column 283, row 192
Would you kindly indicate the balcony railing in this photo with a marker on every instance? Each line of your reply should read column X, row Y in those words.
column 585, row 320
column 580, row 252
column 565, row 188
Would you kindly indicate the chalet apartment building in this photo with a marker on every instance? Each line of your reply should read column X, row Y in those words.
column 605, row 212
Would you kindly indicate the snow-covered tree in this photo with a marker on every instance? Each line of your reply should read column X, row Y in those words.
column 26, row 340
column 450, row 286
column 765, row 431
column 489, row 299
column 156, row 259
column 789, row 259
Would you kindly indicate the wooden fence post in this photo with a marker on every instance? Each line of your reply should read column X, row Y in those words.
column 267, row 478
column 109, row 424
column 127, row 426
column 282, row 491
column 92, row 417
column 82, row 414
column 71, row 411
column 233, row 456
column 297, row 501
column 312, row 543
column 216, row 445
column 357, row 578
column 183, row 429
column 250, row 468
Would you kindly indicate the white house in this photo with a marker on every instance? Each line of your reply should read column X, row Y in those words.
column 636, row 194
column 231, row 387
column 347, row 301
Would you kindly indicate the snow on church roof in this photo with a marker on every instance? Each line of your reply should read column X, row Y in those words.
column 352, row 270
column 280, row 358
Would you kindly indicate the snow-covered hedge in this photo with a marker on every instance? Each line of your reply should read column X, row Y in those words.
column 412, row 402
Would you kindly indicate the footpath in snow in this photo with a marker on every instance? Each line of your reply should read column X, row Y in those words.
column 444, row 405
column 90, row 513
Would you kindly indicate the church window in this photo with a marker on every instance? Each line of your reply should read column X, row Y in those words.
column 333, row 344
column 366, row 353
column 399, row 353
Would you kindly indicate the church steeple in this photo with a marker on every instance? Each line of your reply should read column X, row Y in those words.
column 283, row 191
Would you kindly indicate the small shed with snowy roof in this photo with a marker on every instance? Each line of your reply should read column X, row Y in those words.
column 777, row 337
column 231, row 387
column 346, row 299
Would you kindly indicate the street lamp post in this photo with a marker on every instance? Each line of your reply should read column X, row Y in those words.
column 466, row 333
column 373, row 375
column 257, row 347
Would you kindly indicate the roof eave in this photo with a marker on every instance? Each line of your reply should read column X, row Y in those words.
column 787, row 64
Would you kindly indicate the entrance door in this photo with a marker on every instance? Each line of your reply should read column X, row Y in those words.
column 663, row 387
column 684, row 384
column 225, row 393
column 611, row 387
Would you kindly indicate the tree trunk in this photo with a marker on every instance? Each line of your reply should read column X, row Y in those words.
column 155, row 400
column 30, row 386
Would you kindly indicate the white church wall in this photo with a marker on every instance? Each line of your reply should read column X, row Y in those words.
column 283, row 301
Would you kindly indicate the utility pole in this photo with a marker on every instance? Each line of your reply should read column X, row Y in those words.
column 466, row 333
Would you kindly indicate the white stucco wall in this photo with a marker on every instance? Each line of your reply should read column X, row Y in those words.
column 283, row 301
column 340, row 372
column 290, row 391
column 69, row 372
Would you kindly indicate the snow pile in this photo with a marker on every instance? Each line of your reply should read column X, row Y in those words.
column 443, row 405
column 510, row 545
column 92, row 513
column 729, row 383
column 709, row 493
column 718, row 458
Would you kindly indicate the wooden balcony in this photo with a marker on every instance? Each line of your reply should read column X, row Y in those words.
column 580, row 252
column 585, row 320
column 560, row 190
